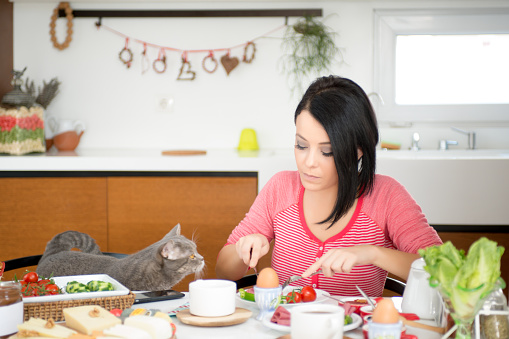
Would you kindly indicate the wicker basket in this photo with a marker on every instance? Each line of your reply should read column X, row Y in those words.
column 54, row 309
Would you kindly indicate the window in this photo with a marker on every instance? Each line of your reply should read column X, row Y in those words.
column 442, row 65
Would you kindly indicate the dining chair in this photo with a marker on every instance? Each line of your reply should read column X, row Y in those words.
column 391, row 284
column 33, row 260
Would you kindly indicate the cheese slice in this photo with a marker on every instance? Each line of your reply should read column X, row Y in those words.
column 89, row 318
column 163, row 316
column 127, row 332
column 157, row 328
column 36, row 325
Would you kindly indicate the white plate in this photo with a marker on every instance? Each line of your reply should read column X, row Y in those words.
column 321, row 296
column 84, row 279
column 356, row 322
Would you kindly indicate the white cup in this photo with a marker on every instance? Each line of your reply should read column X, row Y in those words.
column 317, row 321
column 212, row 297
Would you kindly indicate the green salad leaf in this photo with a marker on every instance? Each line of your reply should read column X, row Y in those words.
column 464, row 279
column 348, row 319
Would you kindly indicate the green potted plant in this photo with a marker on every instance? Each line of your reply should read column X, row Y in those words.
column 309, row 49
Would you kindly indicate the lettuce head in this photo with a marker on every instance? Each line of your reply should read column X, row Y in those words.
column 464, row 279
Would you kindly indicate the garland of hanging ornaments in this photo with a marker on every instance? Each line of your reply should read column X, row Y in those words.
column 159, row 65
column 209, row 62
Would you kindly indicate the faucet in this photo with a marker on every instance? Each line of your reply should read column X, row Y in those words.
column 415, row 142
column 444, row 144
column 470, row 134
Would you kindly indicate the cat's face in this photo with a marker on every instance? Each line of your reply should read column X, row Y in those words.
column 181, row 254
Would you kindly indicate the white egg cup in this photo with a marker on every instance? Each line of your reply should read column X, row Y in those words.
column 267, row 299
column 378, row 330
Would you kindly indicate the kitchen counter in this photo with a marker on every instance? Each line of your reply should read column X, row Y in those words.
column 265, row 162
column 457, row 187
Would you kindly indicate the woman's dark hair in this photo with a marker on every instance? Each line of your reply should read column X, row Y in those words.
column 346, row 114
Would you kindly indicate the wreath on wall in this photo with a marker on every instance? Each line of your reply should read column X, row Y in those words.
column 69, row 16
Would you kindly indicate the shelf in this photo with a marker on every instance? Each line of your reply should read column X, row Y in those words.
column 222, row 13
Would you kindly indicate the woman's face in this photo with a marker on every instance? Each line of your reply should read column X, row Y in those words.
column 313, row 154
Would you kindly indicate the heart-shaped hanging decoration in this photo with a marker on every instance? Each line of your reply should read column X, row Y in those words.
column 229, row 63
column 185, row 71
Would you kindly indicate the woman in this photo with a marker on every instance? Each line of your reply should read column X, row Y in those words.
column 334, row 213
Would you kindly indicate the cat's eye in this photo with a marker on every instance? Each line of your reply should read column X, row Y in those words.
column 191, row 256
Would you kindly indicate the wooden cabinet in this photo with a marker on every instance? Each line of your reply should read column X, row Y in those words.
column 123, row 213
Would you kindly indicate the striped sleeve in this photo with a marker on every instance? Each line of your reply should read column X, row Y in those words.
column 399, row 216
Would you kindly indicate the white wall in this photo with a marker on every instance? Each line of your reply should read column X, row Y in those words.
column 118, row 105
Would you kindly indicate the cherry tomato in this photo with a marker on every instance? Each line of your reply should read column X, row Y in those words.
column 52, row 289
column 31, row 277
column 117, row 312
column 293, row 297
column 33, row 289
column 308, row 294
column 43, row 282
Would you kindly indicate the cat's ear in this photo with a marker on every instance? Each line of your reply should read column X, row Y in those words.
column 174, row 231
column 170, row 251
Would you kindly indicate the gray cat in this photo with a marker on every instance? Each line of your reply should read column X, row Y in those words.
column 158, row 267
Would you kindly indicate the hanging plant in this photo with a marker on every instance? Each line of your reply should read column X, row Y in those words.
column 309, row 49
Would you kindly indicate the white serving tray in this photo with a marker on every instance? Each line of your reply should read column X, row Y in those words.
column 84, row 279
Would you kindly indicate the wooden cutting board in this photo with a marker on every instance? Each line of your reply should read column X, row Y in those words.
column 184, row 152
column 239, row 316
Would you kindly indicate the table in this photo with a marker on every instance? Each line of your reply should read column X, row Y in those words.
column 253, row 328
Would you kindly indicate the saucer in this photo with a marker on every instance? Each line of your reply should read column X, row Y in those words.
column 238, row 317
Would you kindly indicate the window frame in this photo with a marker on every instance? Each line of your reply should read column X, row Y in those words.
column 388, row 23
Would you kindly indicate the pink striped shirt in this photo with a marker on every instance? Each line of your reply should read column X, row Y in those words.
column 387, row 217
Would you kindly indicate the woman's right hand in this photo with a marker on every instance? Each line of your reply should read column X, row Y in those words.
column 251, row 248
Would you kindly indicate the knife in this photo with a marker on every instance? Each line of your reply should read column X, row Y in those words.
column 294, row 278
column 371, row 303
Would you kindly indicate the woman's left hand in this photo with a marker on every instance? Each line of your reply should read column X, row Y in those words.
column 342, row 260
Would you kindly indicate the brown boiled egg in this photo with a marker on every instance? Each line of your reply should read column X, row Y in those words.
column 385, row 312
column 267, row 278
